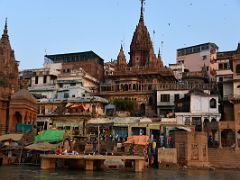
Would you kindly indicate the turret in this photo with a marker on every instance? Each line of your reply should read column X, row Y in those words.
column 121, row 59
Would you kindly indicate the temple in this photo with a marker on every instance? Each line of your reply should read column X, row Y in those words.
column 137, row 80
column 17, row 107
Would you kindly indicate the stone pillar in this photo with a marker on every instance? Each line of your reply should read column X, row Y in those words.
column 89, row 165
column 139, row 165
column 47, row 163
column 202, row 121
column 236, row 140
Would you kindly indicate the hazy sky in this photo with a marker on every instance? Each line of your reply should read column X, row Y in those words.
column 65, row 26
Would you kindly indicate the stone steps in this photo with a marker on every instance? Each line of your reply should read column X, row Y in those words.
column 224, row 158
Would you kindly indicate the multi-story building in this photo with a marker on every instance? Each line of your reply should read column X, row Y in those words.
column 89, row 61
column 17, row 107
column 196, row 57
column 200, row 110
column 63, row 95
column 228, row 75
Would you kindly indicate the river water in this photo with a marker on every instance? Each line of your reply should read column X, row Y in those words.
column 30, row 172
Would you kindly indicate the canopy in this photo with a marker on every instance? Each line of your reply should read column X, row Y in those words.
column 75, row 106
column 125, row 121
column 51, row 135
column 13, row 137
column 139, row 140
column 145, row 120
column 184, row 128
column 45, row 146
column 94, row 122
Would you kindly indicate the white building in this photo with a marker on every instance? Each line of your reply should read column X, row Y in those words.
column 199, row 109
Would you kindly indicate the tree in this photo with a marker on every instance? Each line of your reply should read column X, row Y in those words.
column 124, row 105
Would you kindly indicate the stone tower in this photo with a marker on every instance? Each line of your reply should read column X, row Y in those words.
column 141, row 48
column 8, row 65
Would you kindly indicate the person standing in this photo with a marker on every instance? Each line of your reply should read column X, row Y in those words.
column 94, row 145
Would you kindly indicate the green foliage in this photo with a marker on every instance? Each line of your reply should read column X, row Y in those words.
column 124, row 105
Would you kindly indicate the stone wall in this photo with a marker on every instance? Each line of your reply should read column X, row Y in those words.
column 192, row 149
column 167, row 155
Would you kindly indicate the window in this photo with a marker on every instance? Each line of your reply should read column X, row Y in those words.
column 223, row 66
column 165, row 97
column 176, row 97
column 220, row 79
column 150, row 101
column 238, row 69
column 187, row 121
column 36, row 79
column 66, row 95
column 213, row 103
column 44, row 79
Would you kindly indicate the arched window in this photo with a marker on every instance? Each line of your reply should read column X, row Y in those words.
column 213, row 103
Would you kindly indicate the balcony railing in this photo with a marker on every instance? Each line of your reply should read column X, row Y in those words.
column 111, row 88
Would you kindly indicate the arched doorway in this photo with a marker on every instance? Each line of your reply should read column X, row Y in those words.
column 228, row 137
column 142, row 109
column 18, row 118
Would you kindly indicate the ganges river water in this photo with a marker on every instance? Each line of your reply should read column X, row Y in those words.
column 30, row 172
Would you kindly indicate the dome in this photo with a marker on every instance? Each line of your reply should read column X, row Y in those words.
column 24, row 94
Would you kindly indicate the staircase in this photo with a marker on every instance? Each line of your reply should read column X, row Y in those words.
column 3, row 129
column 224, row 158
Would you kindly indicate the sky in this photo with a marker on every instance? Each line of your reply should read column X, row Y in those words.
column 40, row 27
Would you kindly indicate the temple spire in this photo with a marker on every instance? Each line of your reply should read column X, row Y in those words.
column 142, row 9
column 5, row 32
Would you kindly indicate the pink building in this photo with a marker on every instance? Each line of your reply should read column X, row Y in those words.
column 195, row 58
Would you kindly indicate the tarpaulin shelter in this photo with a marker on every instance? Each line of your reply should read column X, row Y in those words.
column 137, row 140
column 137, row 145
column 103, row 122
column 13, row 137
column 51, row 135
column 45, row 146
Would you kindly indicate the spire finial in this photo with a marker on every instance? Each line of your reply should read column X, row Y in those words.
column 142, row 9
column 159, row 52
column 5, row 27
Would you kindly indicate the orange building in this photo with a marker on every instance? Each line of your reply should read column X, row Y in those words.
column 16, row 107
